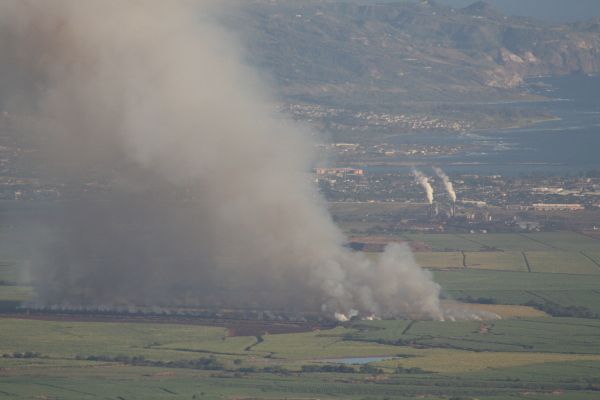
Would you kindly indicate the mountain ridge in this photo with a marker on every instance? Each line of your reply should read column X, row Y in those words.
column 337, row 51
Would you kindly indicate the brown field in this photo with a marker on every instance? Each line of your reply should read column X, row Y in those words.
column 502, row 310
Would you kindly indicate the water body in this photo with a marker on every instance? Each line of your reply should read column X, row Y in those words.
column 359, row 360
column 570, row 145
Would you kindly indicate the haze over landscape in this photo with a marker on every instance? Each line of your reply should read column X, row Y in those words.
column 261, row 199
column 552, row 10
column 254, row 235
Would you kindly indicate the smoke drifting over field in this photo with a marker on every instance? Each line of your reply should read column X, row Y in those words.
column 152, row 99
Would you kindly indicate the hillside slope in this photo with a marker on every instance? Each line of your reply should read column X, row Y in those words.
column 343, row 53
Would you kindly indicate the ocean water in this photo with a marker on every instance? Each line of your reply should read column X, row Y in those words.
column 567, row 146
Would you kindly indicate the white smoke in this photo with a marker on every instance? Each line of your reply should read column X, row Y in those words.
column 423, row 180
column 153, row 98
column 447, row 183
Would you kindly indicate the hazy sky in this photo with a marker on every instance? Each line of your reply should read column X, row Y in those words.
column 550, row 10
column 555, row 10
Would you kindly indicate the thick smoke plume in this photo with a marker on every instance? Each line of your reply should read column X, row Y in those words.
column 423, row 180
column 447, row 183
column 195, row 193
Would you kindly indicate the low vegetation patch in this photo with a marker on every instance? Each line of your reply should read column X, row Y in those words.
column 557, row 310
column 207, row 363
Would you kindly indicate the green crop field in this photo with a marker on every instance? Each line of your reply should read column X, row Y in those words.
column 439, row 259
column 529, row 355
column 594, row 255
column 507, row 287
column 510, row 358
column 147, row 383
column 567, row 241
column 60, row 339
column 444, row 242
column 8, row 271
column 506, row 242
column 452, row 361
column 506, row 280
column 539, row 335
column 553, row 261
column 508, row 261
column 561, row 262
column 15, row 293
column 516, row 242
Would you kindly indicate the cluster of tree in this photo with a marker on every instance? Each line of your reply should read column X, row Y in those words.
column 272, row 369
column 332, row 368
column 9, row 305
column 206, row 363
column 370, row 369
column 276, row 369
column 413, row 370
column 557, row 310
column 128, row 312
column 339, row 368
column 27, row 354
column 477, row 300
column 212, row 364
column 395, row 342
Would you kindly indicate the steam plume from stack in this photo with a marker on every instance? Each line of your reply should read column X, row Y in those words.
column 423, row 180
column 447, row 183
column 151, row 99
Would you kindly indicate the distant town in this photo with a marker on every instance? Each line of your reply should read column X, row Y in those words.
column 342, row 119
column 484, row 203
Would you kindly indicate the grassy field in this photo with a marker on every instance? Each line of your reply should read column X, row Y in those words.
column 15, row 293
column 9, row 271
column 506, row 287
column 440, row 260
column 529, row 354
column 548, row 252
column 561, row 262
column 558, row 271
column 444, row 242
column 450, row 361
column 504, row 311
column 69, row 339
column 538, row 335
column 552, row 261
column 594, row 255
column 566, row 241
column 516, row 242
column 420, row 370
column 116, row 382
column 506, row 261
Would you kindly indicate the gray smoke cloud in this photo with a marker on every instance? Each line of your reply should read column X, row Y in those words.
column 447, row 183
column 423, row 180
column 209, row 199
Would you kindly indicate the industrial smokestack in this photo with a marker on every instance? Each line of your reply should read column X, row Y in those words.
column 423, row 180
column 151, row 98
column 434, row 210
column 447, row 183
